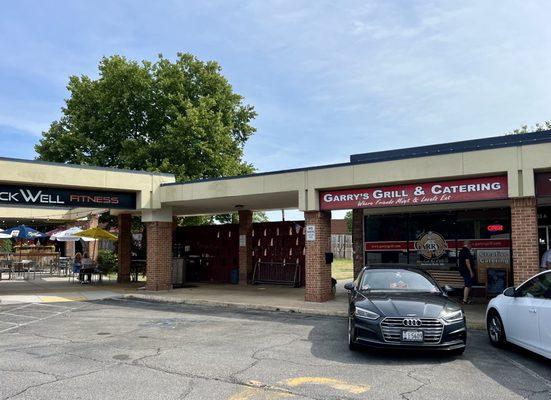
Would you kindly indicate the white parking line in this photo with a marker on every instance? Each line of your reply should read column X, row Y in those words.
column 66, row 310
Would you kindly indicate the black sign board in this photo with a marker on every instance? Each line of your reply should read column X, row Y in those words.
column 65, row 198
column 496, row 281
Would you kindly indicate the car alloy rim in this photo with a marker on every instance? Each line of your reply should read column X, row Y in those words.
column 495, row 329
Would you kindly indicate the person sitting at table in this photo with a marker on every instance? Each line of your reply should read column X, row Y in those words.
column 77, row 264
column 87, row 267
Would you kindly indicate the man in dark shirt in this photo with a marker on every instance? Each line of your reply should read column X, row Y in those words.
column 466, row 263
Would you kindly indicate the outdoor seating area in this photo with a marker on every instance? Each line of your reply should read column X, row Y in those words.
column 28, row 254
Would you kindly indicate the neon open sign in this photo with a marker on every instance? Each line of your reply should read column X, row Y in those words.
column 495, row 228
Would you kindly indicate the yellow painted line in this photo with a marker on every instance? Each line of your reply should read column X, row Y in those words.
column 59, row 299
column 330, row 382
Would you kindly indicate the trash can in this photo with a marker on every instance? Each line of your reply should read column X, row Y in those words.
column 234, row 276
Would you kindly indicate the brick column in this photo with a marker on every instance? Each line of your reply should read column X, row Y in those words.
column 124, row 246
column 246, row 251
column 93, row 246
column 159, row 255
column 318, row 274
column 358, row 251
column 524, row 236
column 69, row 249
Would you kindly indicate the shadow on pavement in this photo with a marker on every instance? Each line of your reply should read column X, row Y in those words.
column 508, row 367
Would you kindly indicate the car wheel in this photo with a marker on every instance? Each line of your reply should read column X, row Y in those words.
column 496, row 331
column 352, row 345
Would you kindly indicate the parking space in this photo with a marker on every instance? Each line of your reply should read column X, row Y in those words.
column 127, row 349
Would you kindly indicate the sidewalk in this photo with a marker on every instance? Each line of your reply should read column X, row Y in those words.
column 252, row 297
column 56, row 289
column 273, row 298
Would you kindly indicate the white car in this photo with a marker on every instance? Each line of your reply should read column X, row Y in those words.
column 522, row 315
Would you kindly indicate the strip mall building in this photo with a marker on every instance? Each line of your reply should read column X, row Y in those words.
column 416, row 206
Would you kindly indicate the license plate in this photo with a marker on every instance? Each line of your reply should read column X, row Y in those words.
column 412, row 336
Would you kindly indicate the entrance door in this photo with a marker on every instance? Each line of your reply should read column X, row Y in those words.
column 544, row 234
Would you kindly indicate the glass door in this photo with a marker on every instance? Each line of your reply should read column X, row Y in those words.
column 544, row 234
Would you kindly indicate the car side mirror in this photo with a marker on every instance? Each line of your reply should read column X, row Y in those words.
column 447, row 289
column 349, row 286
column 509, row 292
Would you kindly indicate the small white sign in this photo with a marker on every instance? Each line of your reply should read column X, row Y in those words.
column 310, row 233
column 242, row 240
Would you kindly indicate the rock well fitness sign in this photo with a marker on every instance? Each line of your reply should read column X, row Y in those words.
column 456, row 191
column 65, row 198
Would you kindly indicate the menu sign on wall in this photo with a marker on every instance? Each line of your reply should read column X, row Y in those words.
column 543, row 184
column 456, row 191
column 67, row 198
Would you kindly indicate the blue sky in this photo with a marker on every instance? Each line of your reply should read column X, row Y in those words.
column 327, row 78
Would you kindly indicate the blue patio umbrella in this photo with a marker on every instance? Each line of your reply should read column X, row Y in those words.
column 24, row 232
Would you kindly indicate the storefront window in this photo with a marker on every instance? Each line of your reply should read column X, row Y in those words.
column 544, row 229
column 433, row 240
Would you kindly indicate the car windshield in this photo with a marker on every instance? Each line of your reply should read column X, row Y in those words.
column 396, row 280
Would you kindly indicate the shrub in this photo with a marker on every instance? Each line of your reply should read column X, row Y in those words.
column 107, row 261
column 6, row 246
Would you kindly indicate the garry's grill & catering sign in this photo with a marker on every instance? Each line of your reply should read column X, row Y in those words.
column 67, row 198
column 456, row 191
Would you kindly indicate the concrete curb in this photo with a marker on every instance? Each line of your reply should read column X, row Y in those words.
column 476, row 325
column 240, row 306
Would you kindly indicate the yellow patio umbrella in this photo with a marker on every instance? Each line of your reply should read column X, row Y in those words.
column 98, row 234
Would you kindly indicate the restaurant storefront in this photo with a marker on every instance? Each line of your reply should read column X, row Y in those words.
column 407, row 224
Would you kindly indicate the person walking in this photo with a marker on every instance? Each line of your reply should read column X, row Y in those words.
column 466, row 265
column 546, row 260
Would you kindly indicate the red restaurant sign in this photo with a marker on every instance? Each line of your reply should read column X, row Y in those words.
column 543, row 184
column 457, row 191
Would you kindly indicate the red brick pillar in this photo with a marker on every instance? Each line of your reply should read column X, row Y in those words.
column 93, row 246
column 69, row 249
column 159, row 255
column 245, row 246
column 318, row 242
column 358, row 250
column 524, row 236
column 124, row 247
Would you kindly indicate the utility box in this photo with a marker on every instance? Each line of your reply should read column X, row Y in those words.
column 178, row 272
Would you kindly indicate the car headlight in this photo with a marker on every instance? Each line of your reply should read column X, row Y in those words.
column 363, row 313
column 452, row 315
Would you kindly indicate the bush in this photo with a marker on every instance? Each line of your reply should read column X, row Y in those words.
column 6, row 246
column 107, row 261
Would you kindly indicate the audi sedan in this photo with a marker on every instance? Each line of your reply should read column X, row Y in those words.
column 396, row 306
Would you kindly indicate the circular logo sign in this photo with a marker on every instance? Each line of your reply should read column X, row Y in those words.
column 431, row 245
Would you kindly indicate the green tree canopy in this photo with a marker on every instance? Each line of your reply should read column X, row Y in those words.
column 545, row 126
column 180, row 117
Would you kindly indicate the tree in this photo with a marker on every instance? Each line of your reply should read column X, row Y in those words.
column 348, row 219
column 545, row 126
column 180, row 117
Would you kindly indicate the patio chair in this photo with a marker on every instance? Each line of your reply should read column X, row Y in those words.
column 72, row 272
column 64, row 266
column 6, row 266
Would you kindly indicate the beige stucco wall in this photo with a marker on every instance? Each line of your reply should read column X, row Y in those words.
column 292, row 189
column 518, row 163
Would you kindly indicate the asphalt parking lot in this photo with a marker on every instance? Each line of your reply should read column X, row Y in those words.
column 126, row 349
